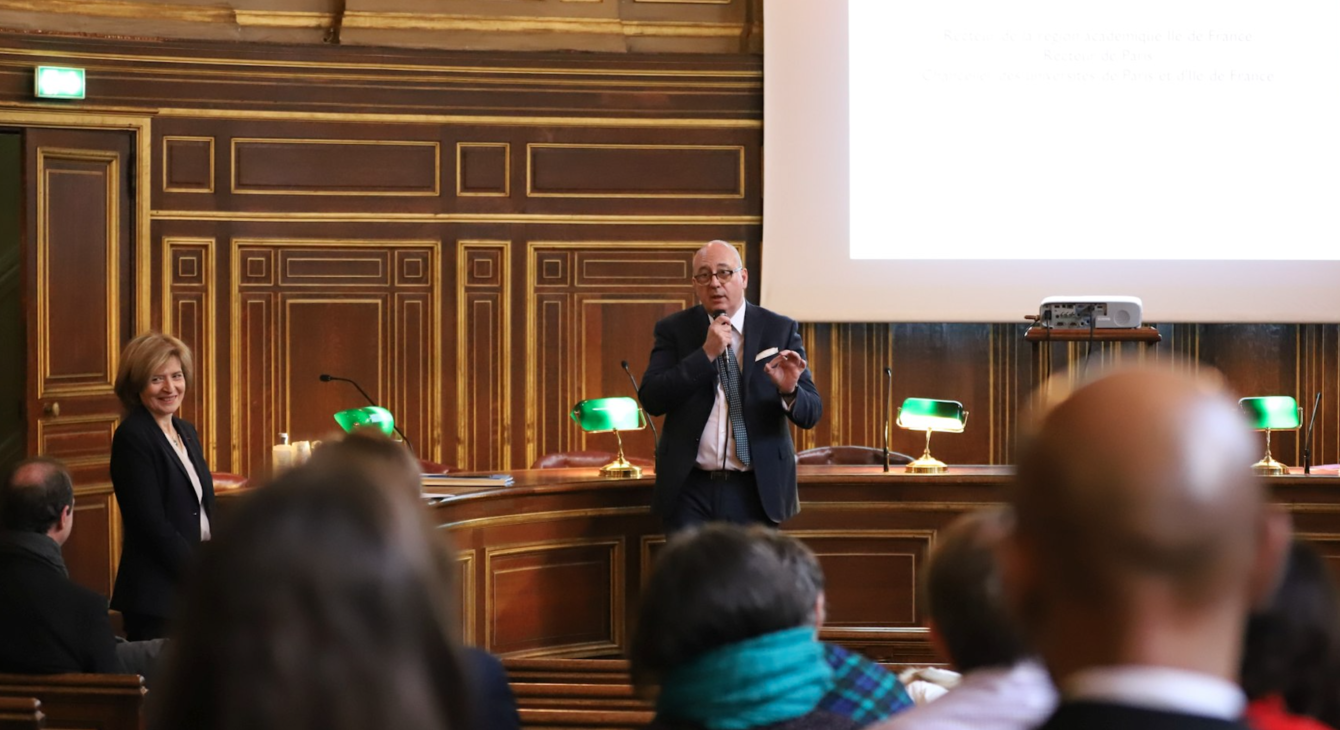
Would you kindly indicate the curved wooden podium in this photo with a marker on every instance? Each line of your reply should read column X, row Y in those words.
column 553, row 565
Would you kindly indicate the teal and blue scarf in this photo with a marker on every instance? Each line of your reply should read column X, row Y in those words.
column 759, row 681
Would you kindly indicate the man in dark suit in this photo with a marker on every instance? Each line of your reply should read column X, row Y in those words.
column 729, row 377
column 48, row 624
column 1141, row 541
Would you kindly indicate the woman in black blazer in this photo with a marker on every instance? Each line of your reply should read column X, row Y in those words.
column 161, row 480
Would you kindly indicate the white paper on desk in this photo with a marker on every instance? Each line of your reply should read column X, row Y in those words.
column 766, row 353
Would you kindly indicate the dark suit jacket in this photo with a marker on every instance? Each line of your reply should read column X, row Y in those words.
column 1104, row 716
column 159, row 511
column 680, row 383
column 494, row 702
column 48, row 623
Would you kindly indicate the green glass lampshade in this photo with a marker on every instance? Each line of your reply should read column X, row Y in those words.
column 927, row 414
column 1273, row 412
column 600, row 415
column 367, row 417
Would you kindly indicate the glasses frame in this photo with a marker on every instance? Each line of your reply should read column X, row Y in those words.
column 722, row 275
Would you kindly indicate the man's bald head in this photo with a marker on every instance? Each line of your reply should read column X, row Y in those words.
column 715, row 251
column 35, row 495
column 1142, row 476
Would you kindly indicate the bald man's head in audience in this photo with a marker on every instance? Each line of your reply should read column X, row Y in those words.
column 1141, row 535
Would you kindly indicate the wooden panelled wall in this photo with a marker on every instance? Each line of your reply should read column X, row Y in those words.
column 480, row 239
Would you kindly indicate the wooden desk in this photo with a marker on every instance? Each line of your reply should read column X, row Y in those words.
column 552, row 566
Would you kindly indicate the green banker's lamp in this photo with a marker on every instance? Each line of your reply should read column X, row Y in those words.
column 603, row 415
column 926, row 414
column 1271, row 413
column 366, row 417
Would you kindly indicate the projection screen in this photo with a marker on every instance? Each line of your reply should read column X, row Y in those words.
column 958, row 161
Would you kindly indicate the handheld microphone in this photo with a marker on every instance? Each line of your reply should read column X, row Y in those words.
column 888, row 406
column 718, row 313
column 1307, row 448
column 655, row 437
column 326, row 378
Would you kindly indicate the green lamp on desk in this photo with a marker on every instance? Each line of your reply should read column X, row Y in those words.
column 1271, row 413
column 366, row 417
column 603, row 415
column 930, row 415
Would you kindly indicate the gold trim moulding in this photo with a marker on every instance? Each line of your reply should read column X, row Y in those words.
column 399, row 67
column 461, row 119
column 510, row 218
column 370, row 20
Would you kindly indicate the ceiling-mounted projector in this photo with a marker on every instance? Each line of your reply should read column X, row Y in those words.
column 1090, row 312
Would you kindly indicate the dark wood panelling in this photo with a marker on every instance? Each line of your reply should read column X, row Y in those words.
column 190, row 313
column 594, row 306
column 94, row 547
column 188, row 164
column 335, row 167
column 483, row 307
column 870, row 577
column 483, row 168
column 555, row 598
column 357, row 309
column 664, row 171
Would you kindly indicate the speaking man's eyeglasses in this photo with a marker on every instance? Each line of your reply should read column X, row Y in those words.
column 723, row 275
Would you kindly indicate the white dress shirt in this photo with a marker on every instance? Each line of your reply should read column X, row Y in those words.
column 996, row 698
column 1158, row 688
column 716, row 448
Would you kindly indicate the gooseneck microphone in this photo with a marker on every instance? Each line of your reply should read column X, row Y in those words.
column 1307, row 445
column 325, row 378
column 655, row 437
column 888, row 407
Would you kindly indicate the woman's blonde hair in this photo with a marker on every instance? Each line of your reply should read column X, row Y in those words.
column 143, row 357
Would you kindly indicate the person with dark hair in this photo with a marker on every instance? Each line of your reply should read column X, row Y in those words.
column 326, row 605
column 862, row 690
column 1140, row 543
column 162, row 483
column 1003, row 686
column 48, row 623
column 390, row 464
column 1291, row 659
column 728, row 638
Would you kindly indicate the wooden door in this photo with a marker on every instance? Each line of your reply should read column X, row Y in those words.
column 78, row 295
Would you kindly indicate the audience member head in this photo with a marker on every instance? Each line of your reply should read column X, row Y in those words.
column 1293, row 646
column 376, row 455
column 325, row 604
column 968, row 616
column 1141, row 536
column 804, row 566
column 37, row 495
column 726, row 631
column 142, row 358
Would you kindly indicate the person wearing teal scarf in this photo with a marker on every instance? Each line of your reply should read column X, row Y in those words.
column 749, row 684
column 727, row 632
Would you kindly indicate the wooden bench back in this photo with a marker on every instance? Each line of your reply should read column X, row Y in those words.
column 21, row 713
column 82, row 701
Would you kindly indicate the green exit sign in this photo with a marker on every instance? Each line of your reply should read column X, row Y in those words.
column 58, row 82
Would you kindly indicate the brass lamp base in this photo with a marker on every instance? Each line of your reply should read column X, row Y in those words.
column 620, row 468
column 1269, row 467
column 926, row 465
